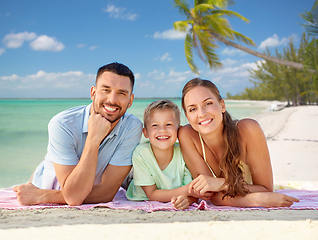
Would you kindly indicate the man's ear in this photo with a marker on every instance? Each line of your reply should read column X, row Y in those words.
column 132, row 96
column 93, row 93
column 144, row 130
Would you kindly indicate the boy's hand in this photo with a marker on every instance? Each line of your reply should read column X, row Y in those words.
column 181, row 202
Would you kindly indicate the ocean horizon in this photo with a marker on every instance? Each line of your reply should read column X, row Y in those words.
column 24, row 137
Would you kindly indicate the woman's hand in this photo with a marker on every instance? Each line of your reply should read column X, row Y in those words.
column 203, row 185
column 274, row 199
column 181, row 202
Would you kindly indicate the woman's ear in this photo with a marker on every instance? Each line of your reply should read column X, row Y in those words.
column 223, row 106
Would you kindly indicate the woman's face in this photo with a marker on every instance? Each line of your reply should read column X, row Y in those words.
column 204, row 110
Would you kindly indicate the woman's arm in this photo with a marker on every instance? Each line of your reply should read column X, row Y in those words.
column 256, row 155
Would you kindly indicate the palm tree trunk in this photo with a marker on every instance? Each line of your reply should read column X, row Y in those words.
column 260, row 55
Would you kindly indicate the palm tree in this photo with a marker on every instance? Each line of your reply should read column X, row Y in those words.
column 206, row 25
column 311, row 19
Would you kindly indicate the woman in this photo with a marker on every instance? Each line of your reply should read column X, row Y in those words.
column 228, row 158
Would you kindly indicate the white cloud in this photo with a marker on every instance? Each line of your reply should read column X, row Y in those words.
column 273, row 42
column 121, row 13
column 81, row 45
column 233, row 51
column 166, row 58
column 15, row 40
column 2, row 50
column 157, row 75
column 45, row 43
column 68, row 81
column 170, row 34
column 229, row 62
column 93, row 47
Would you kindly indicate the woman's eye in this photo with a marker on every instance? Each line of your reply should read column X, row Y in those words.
column 191, row 109
column 208, row 103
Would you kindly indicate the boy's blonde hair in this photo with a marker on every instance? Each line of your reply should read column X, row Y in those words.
column 161, row 105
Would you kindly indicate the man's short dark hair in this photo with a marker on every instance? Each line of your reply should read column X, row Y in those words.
column 119, row 69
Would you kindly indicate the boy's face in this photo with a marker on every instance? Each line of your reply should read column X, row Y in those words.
column 162, row 129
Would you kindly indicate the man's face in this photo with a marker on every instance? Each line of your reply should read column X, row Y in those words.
column 111, row 96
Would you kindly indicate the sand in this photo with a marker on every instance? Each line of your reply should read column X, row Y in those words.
column 292, row 137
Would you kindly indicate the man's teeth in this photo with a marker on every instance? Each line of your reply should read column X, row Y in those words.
column 110, row 109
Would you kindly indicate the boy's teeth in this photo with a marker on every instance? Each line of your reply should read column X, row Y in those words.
column 162, row 137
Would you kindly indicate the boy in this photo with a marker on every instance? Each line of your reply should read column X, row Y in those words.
column 160, row 174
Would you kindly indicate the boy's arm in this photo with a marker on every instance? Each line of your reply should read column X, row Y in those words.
column 164, row 195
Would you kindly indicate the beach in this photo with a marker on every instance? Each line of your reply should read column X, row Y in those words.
column 292, row 136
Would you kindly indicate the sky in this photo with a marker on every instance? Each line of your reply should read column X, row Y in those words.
column 53, row 49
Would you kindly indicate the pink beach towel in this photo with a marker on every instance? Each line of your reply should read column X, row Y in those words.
column 308, row 200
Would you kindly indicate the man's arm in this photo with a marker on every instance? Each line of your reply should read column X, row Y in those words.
column 77, row 181
column 113, row 176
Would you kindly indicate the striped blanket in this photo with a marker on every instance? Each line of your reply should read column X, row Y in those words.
column 308, row 200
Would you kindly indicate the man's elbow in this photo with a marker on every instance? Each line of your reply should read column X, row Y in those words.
column 74, row 199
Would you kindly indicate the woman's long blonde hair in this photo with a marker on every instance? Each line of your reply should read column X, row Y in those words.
column 230, row 164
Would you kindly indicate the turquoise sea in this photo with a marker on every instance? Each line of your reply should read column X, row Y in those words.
column 24, row 138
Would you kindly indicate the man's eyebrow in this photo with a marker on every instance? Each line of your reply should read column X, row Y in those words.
column 120, row 90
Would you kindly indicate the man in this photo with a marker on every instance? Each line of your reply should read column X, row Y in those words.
column 90, row 147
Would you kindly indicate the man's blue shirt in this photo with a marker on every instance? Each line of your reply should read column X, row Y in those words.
column 67, row 137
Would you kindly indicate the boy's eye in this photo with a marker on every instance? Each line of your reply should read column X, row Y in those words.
column 154, row 125
column 169, row 124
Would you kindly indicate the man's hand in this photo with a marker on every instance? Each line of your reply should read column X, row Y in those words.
column 98, row 127
column 28, row 194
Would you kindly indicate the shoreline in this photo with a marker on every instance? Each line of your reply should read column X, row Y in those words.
column 292, row 137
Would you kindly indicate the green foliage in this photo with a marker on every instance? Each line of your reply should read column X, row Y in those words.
column 273, row 81
column 205, row 20
column 311, row 19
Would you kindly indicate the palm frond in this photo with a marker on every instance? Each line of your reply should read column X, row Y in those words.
column 219, row 25
column 229, row 13
column 182, row 26
column 188, row 49
column 215, row 3
column 183, row 7
column 241, row 37
column 207, row 48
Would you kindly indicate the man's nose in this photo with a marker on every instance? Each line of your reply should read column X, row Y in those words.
column 112, row 97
